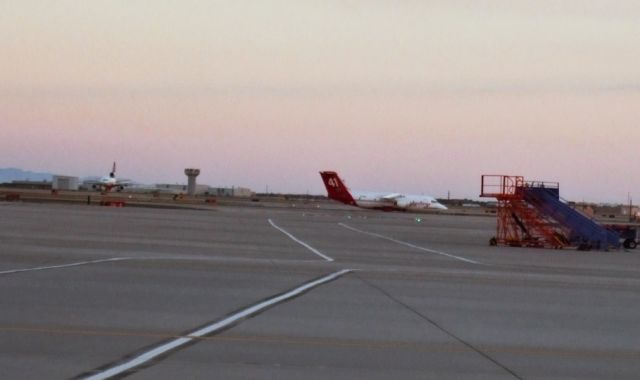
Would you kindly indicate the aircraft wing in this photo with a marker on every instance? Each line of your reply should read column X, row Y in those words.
column 119, row 182
column 393, row 196
column 91, row 181
column 124, row 182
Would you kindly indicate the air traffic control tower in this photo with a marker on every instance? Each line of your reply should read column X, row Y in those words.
column 191, row 185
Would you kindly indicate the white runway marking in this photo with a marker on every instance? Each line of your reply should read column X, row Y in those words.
column 248, row 312
column 409, row 244
column 66, row 265
column 307, row 246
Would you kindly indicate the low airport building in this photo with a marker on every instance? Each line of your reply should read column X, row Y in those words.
column 28, row 185
column 171, row 188
column 607, row 211
column 63, row 182
column 240, row 192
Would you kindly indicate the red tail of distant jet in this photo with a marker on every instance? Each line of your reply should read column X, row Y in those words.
column 336, row 188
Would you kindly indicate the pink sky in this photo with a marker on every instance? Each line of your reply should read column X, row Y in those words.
column 416, row 97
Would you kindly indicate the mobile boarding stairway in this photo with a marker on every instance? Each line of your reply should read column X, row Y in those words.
column 532, row 214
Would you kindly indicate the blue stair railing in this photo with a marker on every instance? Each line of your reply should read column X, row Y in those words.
column 585, row 233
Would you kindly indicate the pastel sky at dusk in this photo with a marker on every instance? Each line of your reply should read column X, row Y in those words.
column 409, row 96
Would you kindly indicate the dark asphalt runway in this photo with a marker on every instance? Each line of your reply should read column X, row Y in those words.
column 165, row 294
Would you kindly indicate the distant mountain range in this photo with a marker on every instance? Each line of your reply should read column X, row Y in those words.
column 14, row 174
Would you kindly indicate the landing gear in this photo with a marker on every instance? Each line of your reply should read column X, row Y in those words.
column 584, row 247
column 630, row 243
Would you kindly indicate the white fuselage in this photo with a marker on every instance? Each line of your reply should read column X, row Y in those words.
column 108, row 181
column 396, row 201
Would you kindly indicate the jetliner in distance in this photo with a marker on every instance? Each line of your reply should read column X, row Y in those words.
column 338, row 191
column 109, row 182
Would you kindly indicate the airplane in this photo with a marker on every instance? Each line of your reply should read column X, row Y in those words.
column 109, row 182
column 379, row 201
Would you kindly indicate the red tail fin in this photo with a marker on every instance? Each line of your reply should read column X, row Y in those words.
column 336, row 188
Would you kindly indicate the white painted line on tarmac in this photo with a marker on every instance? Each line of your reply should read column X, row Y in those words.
column 66, row 265
column 409, row 244
column 307, row 246
column 210, row 329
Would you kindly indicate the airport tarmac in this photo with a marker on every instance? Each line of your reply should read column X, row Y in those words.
column 289, row 293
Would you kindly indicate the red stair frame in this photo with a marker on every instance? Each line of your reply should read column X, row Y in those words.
column 520, row 224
